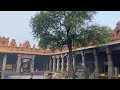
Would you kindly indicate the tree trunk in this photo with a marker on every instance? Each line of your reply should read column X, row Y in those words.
column 71, row 71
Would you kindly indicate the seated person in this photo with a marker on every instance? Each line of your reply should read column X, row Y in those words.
column 49, row 75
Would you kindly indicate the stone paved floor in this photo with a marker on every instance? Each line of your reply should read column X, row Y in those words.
column 25, row 77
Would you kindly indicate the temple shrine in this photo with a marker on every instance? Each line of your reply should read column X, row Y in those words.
column 19, row 59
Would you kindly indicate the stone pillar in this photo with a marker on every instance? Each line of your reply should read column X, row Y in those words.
column 54, row 64
column 83, row 59
column 50, row 65
column 32, row 63
column 67, row 69
column 58, row 64
column 97, row 70
column 116, row 69
column 110, row 63
column 33, row 60
column 18, row 65
column 4, row 66
column 62, row 64
column 84, row 71
column 74, row 64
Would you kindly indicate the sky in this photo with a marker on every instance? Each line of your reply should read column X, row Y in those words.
column 15, row 24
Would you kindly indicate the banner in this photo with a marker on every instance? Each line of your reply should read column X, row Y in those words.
column 9, row 67
column 25, row 56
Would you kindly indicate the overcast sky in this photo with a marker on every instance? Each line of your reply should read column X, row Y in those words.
column 15, row 24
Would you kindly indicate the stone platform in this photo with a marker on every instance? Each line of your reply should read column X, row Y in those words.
column 24, row 77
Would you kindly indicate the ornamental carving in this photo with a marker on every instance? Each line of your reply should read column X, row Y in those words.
column 115, row 34
column 13, row 44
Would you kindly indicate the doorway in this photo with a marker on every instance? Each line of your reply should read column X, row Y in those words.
column 25, row 65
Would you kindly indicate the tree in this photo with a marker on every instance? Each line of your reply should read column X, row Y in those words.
column 56, row 29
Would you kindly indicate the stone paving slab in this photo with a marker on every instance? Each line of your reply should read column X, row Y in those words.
column 25, row 77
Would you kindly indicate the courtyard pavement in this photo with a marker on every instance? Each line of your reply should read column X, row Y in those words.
column 24, row 77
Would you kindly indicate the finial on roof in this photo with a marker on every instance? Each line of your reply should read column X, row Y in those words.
column 34, row 46
column 7, row 38
column 118, row 25
column 20, row 45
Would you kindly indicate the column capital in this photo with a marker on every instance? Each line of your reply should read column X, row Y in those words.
column 53, row 56
column 82, row 52
column 62, row 55
column 19, row 58
column 67, row 55
column 50, row 58
column 33, row 55
column 57, row 56
column 74, row 55
column 108, row 51
column 57, row 59
column 18, row 55
column 94, row 51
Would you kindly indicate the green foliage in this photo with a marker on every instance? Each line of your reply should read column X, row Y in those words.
column 52, row 28
column 99, row 34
